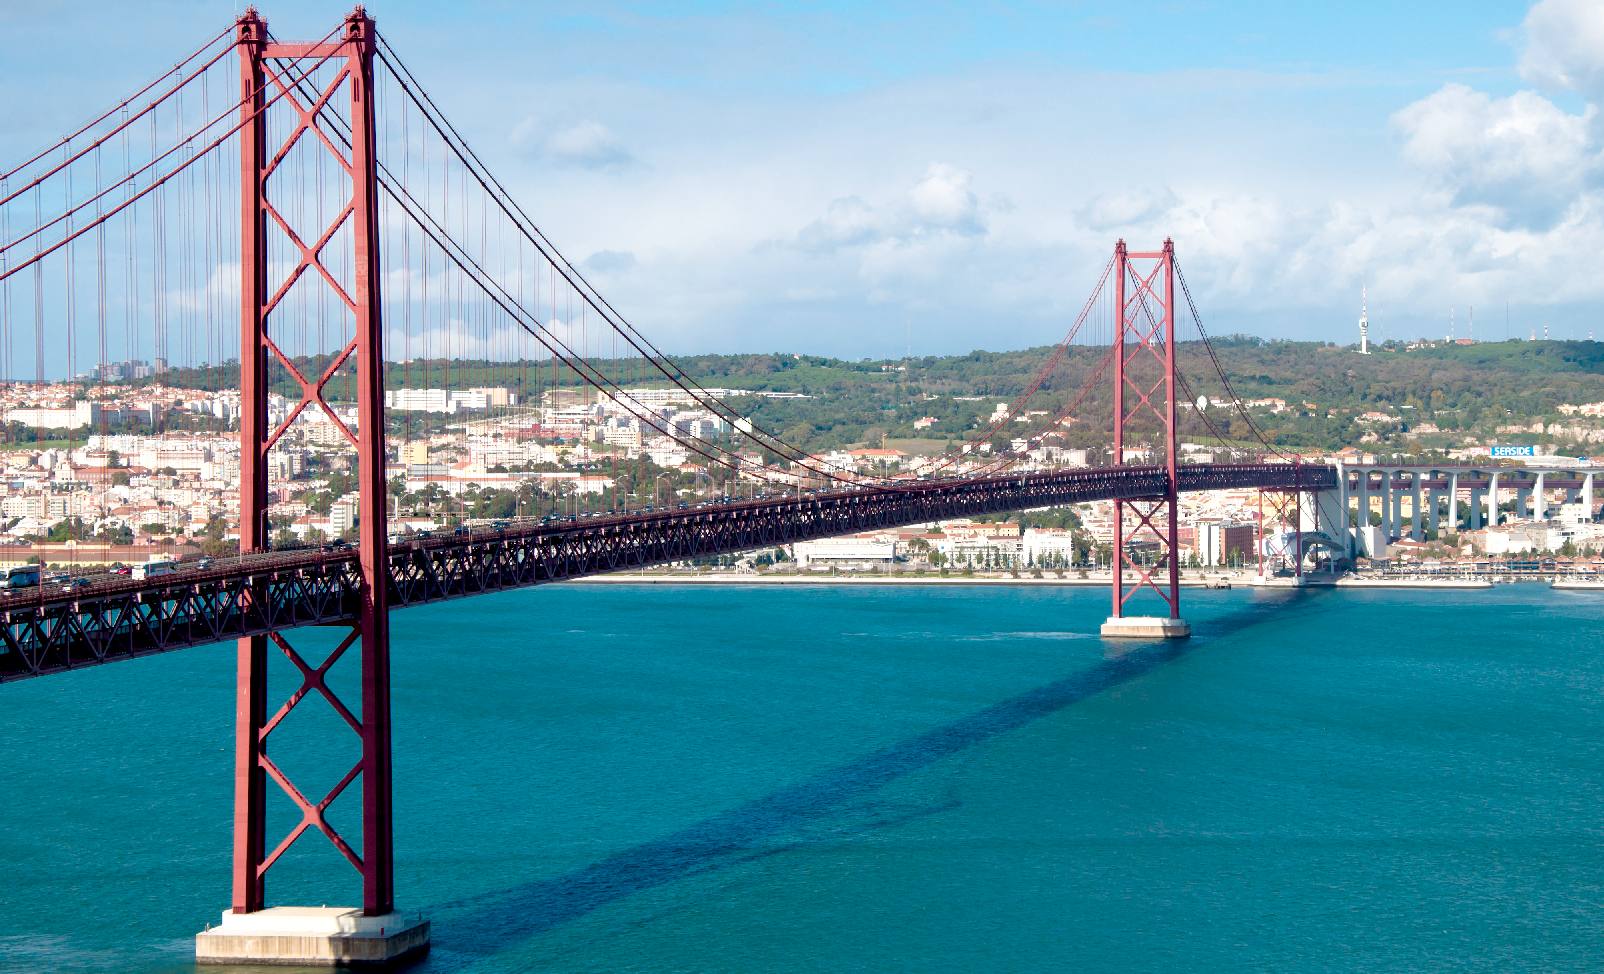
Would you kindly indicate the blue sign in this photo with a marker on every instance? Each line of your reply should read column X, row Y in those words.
column 1514, row 451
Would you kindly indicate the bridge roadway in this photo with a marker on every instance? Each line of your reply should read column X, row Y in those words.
column 49, row 631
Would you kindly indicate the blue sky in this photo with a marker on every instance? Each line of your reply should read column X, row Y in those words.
column 834, row 177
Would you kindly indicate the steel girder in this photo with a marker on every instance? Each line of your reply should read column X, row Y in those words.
column 136, row 619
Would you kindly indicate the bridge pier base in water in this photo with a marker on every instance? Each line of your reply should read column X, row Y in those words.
column 310, row 936
column 1145, row 627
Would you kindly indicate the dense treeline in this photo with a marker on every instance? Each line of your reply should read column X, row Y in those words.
column 1464, row 390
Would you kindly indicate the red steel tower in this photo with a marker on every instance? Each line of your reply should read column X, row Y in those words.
column 1144, row 392
column 251, row 931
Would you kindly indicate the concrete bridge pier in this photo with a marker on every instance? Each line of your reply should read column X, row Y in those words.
column 1344, row 533
column 1453, row 503
column 1362, row 518
column 314, row 936
column 1380, row 505
column 1414, row 507
column 1397, row 496
column 1394, row 504
column 1539, row 500
column 1433, row 513
column 1400, row 498
column 1145, row 627
column 1587, row 496
column 1383, row 504
column 1492, row 500
column 1388, row 521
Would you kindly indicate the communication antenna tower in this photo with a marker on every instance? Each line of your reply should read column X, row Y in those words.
column 1364, row 320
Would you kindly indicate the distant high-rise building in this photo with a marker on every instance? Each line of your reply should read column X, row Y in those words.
column 1364, row 321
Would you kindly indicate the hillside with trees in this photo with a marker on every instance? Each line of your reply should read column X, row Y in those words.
column 1463, row 391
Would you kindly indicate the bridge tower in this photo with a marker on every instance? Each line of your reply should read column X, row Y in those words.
column 252, row 931
column 1144, row 403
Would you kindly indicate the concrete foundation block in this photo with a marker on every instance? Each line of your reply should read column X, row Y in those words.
column 1145, row 627
column 312, row 936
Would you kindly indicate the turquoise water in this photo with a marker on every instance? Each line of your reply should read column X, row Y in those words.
column 620, row 778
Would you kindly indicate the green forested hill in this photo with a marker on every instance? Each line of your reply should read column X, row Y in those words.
column 1465, row 390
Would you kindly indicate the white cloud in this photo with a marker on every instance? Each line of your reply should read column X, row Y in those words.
column 1523, row 155
column 1114, row 211
column 939, row 204
column 1564, row 46
column 942, row 200
column 848, row 221
column 586, row 144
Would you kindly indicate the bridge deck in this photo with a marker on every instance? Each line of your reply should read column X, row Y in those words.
column 47, row 632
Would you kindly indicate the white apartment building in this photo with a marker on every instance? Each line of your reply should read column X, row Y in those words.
column 848, row 552
column 1048, row 546
column 983, row 550
column 1534, row 536
column 449, row 401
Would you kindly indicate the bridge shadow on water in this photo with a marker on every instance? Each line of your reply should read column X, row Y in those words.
column 501, row 919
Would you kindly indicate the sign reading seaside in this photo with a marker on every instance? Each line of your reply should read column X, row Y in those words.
column 1513, row 451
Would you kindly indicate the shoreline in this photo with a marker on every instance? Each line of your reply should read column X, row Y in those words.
column 1095, row 581
column 733, row 578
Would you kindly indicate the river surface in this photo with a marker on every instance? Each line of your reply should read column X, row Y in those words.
column 721, row 778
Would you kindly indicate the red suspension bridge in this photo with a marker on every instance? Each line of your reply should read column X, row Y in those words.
column 315, row 196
